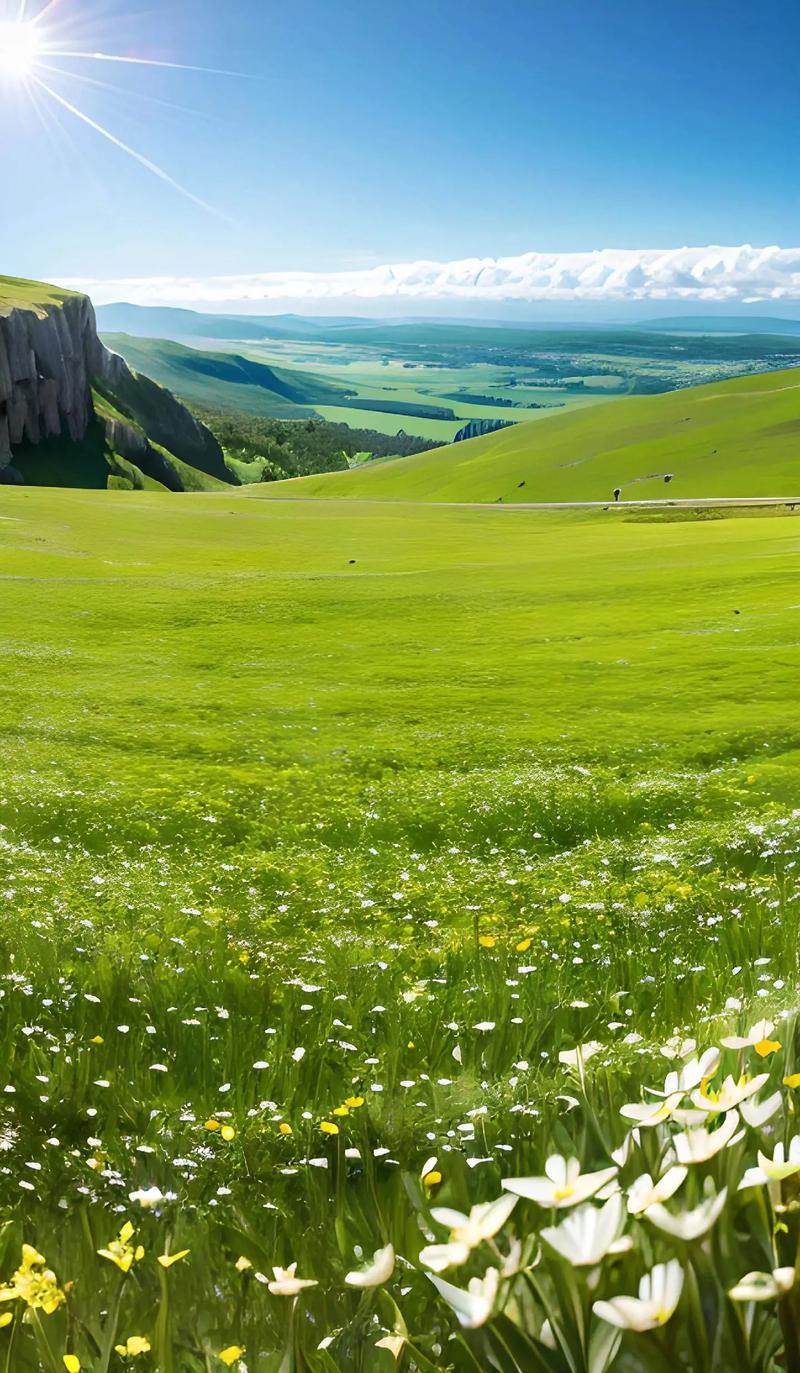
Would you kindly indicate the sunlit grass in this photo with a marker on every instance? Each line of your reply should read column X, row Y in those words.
column 311, row 875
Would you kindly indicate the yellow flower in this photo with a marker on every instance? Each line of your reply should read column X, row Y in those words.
column 793, row 1080
column 133, row 1346
column 524, row 945
column 98, row 1039
column 328, row 1128
column 231, row 1354
column 433, row 1178
column 167, row 1260
column 487, row 941
column 341, row 1111
column 212, row 1124
column 34, row 1283
column 228, row 1133
column 354, row 1102
column 72, row 1363
column 765, row 1047
column 284, row 1128
column 5, row 1319
column 121, row 1252
column 242, row 1264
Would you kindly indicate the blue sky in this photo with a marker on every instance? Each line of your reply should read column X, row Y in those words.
column 371, row 132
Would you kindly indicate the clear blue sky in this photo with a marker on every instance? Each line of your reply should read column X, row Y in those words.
column 375, row 131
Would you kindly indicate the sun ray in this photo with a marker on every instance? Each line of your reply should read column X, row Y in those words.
column 145, row 162
column 146, row 62
column 117, row 90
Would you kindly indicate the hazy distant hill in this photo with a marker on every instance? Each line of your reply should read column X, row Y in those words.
column 146, row 321
column 722, row 324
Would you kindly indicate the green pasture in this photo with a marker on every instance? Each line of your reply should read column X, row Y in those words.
column 325, row 827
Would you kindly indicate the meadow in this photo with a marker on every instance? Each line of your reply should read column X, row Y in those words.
column 363, row 864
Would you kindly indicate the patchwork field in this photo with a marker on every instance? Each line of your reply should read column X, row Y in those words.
column 356, row 859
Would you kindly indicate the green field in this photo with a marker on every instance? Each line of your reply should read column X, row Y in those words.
column 324, row 829
column 732, row 438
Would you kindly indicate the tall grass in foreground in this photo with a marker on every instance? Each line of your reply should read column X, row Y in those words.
column 476, row 1076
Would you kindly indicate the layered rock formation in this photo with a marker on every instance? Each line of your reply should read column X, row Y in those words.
column 51, row 363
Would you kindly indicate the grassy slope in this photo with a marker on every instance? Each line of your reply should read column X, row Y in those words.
column 732, row 438
column 431, row 595
column 225, row 380
column 18, row 294
column 226, row 748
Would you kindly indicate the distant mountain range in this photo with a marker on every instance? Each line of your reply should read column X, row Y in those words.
column 722, row 324
column 143, row 321
column 155, row 321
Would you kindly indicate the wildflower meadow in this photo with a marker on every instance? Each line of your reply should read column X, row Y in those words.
column 400, row 930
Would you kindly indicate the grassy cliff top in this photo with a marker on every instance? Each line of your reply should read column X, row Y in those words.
column 18, row 294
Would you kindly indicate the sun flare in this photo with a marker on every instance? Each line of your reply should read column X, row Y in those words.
column 20, row 48
column 43, row 60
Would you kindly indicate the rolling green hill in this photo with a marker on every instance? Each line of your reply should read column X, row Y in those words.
column 227, row 380
column 732, row 438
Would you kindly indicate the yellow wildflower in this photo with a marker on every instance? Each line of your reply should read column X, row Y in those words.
column 433, row 1178
column 133, row 1346
column 524, row 945
column 765, row 1047
column 341, row 1111
column 72, row 1363
column 284, row 1128
column 353, row 1102
column 228, row 1133
column 5, row 1319
column 328, row 1128
column 121, row 1252
column 34, row 1283
column 167, row 1260
column 793, row 1080
column 242, row 1264
column 212, row 1124
column 487, row 941
column 230, row 1355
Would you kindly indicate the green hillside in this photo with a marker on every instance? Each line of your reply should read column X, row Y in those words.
column 732, row 438
column 19, row 294
column 226, row 380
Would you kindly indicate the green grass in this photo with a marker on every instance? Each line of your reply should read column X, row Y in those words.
column 732, row 438
column 272, row 771
column 18, row 294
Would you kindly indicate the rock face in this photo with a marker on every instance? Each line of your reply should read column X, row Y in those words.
column 51, row 360
column 475, row 429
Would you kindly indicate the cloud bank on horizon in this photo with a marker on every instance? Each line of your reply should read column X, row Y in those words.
column 712, row 274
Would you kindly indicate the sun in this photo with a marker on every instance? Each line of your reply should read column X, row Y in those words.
column 19, row 49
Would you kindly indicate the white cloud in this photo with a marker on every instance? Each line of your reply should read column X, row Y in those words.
column 606, row 274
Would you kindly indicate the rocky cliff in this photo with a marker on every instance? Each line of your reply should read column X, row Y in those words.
column 58, row 381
